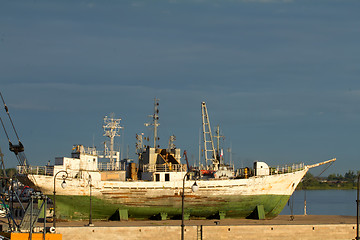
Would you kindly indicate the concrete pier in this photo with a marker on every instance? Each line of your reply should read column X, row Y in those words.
column 282, row 227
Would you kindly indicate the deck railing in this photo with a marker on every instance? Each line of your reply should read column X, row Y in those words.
column 36, row 170
column 287, row 168
column 107, row 166
column 49, row 170
column 164, row 168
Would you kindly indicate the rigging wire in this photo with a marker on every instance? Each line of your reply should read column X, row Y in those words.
column 7, row 111
column 327, row 166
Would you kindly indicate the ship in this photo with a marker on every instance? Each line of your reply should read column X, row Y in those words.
column 155, row 186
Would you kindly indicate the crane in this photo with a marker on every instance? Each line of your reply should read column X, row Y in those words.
column 17, row 149
column 209, row 148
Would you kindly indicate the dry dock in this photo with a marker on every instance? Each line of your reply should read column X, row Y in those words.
column 282, row 227
column 302, row 227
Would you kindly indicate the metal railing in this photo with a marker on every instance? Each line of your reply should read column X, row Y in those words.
column 36, row 170
column 287, row 168
column 49, row 170
column 107, row 166
column 85, row 150
column 164, row 168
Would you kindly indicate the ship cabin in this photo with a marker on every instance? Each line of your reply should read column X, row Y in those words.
column 84, row 161
column 155, row 164
column 161, row 165
column 81, row 159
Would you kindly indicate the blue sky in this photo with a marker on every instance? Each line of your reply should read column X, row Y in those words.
column 281, row 78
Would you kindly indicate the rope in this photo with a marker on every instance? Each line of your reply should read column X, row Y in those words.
column 328, row 165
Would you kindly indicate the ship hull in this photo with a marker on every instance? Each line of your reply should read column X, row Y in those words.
column 77, row 207
column 236, row 198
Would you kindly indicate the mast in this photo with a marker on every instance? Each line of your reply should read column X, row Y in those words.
column 208, row 139
column 199, row 147
column 139, row 144
column 155, row 118
column 112, row 128
column 171, row 145
column 229, row 150
column 217, row 136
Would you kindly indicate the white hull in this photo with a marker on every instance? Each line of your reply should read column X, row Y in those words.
column 278, row 184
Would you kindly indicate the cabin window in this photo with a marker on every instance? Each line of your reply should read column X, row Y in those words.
column 157, row 177
column 167, row 177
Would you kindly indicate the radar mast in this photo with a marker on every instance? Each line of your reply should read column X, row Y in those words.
column 111, row 130
column 155, row 118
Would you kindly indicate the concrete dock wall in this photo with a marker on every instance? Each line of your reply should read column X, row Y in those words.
column 248, row 232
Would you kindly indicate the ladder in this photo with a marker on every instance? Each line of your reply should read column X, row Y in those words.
column 31, row 216
column 209, row 149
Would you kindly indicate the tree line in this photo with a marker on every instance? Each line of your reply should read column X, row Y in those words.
column 333, row 181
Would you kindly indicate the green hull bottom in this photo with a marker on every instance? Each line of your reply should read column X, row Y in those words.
column 77, row 207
